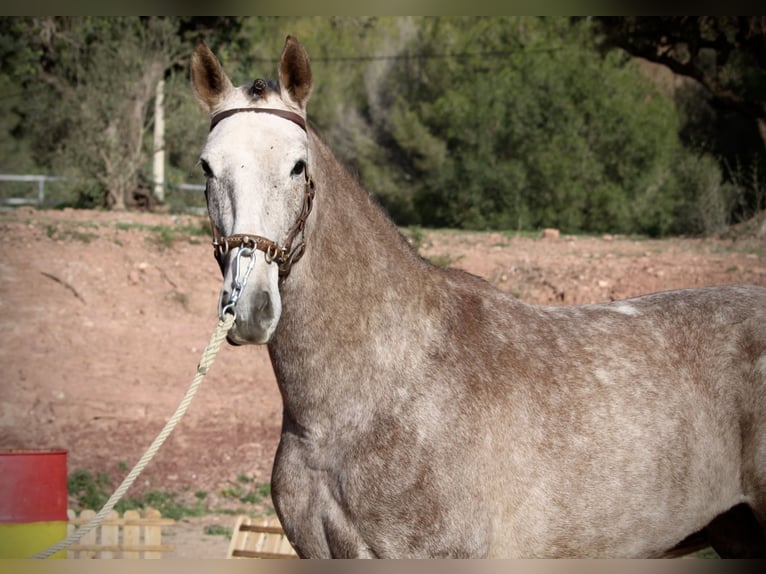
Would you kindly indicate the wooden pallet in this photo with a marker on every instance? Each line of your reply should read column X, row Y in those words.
column 259, row 538
column 129, row 536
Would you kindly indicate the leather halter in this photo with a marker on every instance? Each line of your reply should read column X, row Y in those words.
column 293, row 117
column 284, row 255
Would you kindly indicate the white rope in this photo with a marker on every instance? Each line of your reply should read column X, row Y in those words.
column 207, row 359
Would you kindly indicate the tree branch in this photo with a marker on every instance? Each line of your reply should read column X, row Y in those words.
column 658, row 40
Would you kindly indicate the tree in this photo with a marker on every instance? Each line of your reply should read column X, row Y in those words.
column 88, row 94
column 476, row 122
column 725, row 54
column 520, row 123
column 726, row 58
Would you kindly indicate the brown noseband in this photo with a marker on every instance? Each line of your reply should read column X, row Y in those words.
column 284, row 255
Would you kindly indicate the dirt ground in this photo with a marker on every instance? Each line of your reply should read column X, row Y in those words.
column 103, row 317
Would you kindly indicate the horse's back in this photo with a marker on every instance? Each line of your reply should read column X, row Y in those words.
column 614, row 413
column 684, row 374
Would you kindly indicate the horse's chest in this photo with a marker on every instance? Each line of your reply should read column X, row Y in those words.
column 335, row 505
column 308, row 494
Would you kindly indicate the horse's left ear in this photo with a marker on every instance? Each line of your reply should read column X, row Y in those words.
column 295, row 73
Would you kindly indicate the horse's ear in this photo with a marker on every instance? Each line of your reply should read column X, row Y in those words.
column 211, row 84
column 295, row 73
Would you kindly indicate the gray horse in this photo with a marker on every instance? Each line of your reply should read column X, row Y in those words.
column 427, row 414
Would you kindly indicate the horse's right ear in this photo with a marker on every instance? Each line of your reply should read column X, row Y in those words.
column 211, row 84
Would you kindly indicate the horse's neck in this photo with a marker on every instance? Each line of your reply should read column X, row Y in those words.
column 353, row 249
column 346, row 301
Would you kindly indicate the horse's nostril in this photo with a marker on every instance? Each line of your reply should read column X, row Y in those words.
column 262, row 302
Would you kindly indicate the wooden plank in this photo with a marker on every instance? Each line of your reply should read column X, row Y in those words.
column 258, row 539
column 264, row 539
column 123, row 547
column 90, row 537
column 70, row 528
column 271, row 540
column 152, row 534
column 257, row 554
column 110, row 535
column 261, row 528
column 121, row 521
column 131, row 534
column 238, row 535
column 285, row 548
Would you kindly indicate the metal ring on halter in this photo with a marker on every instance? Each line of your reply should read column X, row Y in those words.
column 269, row 253
column 228, row 308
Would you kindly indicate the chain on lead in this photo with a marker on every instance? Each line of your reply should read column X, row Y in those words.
column 238, row 284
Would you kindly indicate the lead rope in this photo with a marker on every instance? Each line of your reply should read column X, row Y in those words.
column 207, row 359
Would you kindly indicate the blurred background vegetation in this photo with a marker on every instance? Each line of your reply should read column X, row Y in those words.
column 632, row 125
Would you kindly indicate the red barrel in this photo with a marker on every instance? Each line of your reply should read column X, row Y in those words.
column 33, row 501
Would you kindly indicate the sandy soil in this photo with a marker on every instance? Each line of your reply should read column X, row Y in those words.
column 103, row 317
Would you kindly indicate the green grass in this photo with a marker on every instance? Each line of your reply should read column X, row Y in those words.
column 444, row 260
column 67, row 233
column 163, row 236
column 415, row 235
column 528, row 234
column 217, row 530
column 92, row 490
column 247, row 491
column 741, row 250
column 706, row 553
column 166, row 236
column 181, row 298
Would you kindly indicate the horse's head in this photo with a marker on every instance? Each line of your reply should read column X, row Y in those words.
column 258, row 190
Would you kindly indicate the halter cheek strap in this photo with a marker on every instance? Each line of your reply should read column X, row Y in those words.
column 284, row 255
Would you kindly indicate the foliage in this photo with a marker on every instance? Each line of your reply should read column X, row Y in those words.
column 247, row 491
column 507, row 123
column 88, row 490
column 725, row 104
column 92, row 491
column 725, row 54
column 217, row 530
column 89, row 94
column 519, row 138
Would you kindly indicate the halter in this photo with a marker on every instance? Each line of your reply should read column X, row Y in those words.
column 284, row 255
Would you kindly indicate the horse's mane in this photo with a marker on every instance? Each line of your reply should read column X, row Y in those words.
column 353, row 184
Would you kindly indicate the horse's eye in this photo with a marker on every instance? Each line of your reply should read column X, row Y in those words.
column 300, row 165
column 206, row 168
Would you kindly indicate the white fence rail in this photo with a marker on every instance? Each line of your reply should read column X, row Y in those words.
column 41, row 180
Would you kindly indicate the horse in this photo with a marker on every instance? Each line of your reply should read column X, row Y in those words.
column 428, row 414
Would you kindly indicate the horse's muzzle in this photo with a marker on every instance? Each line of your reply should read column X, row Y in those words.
column 256, row 319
